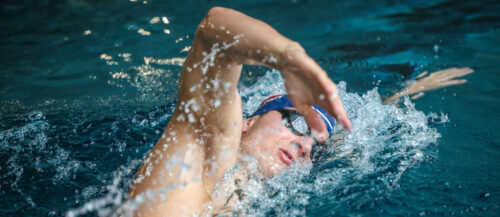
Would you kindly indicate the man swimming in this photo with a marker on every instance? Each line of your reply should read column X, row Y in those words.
column 207, row 133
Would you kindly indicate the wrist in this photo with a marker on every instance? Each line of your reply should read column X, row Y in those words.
column 288, row 53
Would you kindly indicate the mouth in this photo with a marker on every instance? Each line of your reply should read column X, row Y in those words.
column 286, row 156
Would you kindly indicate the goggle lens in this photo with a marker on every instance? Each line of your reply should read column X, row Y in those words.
column 296, row 123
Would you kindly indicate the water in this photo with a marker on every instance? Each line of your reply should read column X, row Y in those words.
column 87, row 88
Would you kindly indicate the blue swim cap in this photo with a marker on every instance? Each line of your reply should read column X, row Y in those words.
column 281, row 101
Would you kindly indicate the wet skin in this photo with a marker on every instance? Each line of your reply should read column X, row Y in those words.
column 272, row 144
column 210, row 136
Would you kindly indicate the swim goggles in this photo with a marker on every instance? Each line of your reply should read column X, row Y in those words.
column 295, row 122
column 278, row 102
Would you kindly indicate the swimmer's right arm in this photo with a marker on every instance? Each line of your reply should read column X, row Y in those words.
column 260, row 44
column 205, row 130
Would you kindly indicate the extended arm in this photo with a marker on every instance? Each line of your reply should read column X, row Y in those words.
column 435, row 80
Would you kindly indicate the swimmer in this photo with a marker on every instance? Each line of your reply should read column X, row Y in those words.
column 207, row 135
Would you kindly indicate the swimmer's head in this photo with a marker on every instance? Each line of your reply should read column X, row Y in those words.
column 277, row 135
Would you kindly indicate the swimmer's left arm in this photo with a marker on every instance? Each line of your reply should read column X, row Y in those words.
column 435, row 80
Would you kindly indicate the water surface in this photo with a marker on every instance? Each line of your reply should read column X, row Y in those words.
column 86, row 88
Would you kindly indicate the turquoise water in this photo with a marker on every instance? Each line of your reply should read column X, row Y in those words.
column 86, row 88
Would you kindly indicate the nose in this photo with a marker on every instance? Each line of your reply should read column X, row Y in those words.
column 304, row 147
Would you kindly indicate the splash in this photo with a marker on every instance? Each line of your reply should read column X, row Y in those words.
column 26, row 150
column 268, row 85
column 114, row 202
column 359, row 166
column 368, row 161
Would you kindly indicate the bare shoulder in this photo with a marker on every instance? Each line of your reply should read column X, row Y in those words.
column 201, row 140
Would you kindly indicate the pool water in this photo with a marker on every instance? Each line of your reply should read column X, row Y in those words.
column 86, row 88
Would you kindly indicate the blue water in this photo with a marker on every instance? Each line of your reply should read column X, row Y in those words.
column 86, row 88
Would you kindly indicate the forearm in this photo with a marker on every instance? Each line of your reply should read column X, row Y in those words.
column 224, row 40
column 257, row 42
column 228, row 39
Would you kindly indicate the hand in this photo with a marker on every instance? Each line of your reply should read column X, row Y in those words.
column 308, row 84
column 434, row 80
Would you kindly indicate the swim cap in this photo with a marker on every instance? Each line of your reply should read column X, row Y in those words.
column 281, row 101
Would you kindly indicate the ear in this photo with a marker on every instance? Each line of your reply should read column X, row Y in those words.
column 247, row 124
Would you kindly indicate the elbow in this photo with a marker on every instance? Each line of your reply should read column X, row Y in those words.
column 213, row 19
column 219, row 12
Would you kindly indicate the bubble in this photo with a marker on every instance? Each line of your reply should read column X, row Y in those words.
column 180, row 117
column 191, row 118
column 217, row 103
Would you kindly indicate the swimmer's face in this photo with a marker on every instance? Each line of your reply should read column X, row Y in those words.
column 276, row 147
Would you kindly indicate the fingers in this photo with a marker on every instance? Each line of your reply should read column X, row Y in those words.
column 339, row 113
column 453, row 82
column 418, row 95
column 316, row 124
column 422, row 75
column 392, row 98
column 451, row 73
column 334, row 104
column 459, row 72
column 440, row 79
column 323, row 93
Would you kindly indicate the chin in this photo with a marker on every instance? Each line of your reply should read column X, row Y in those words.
column 273, row 169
